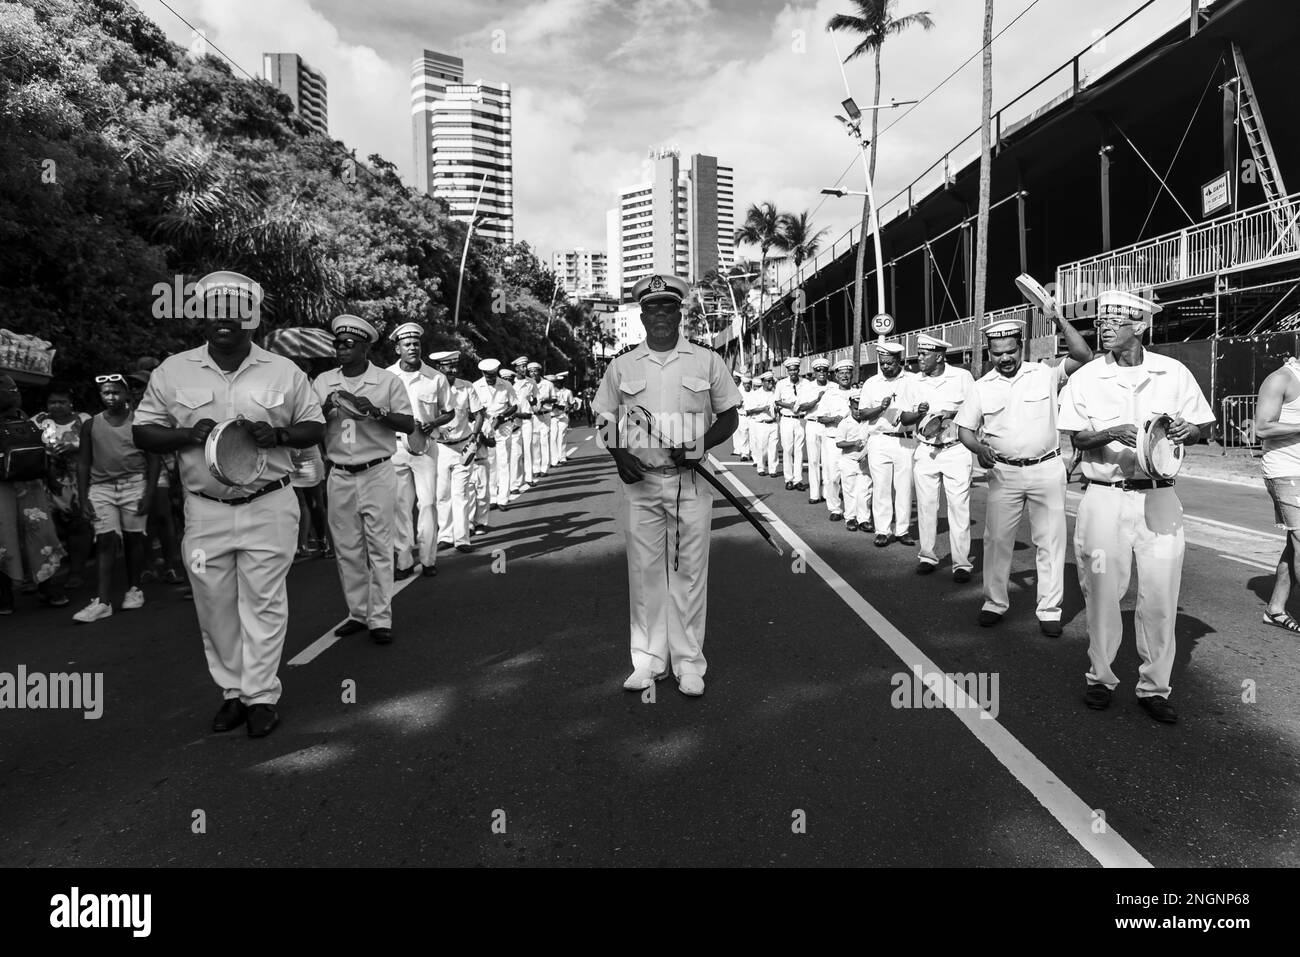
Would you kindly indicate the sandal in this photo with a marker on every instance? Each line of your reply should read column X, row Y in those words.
column 1282, row 621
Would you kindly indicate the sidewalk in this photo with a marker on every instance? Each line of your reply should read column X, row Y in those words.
column 1240, row 466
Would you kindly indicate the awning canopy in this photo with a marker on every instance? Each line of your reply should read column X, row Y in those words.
column 301, row 343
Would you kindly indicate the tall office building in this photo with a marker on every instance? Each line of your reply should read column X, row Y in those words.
column 461, row 134
column 291, row 75
column 681, row 222
column 581, row 272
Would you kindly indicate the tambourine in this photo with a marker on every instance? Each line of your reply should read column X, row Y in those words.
column 233, row 455
column 931, row 424
column 1157, row 455
column 349, row 408
column 1034, row 292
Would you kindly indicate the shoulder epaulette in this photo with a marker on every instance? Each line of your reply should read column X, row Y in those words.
column 626, row 349
column 701, row 344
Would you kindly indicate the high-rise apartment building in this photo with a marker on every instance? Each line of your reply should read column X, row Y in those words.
column 462, row 138
column 291, row 75
column 581, row 272
column 682, row 222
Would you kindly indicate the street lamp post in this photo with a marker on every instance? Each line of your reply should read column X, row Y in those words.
column 464, row 253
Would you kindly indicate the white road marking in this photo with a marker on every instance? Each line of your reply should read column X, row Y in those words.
column 323, row 643
column 1242, row 561
column 1073, row 814
column 570, row 450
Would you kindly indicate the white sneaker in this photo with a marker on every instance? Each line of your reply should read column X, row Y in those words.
column 642, row 678
column 692, row 685
column 93, row 612
column 133, row 599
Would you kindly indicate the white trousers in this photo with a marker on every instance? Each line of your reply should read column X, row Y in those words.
column 740, row 438
column 239, row 558
column 814, row 442
column 667, row 522
column 499, row 466
column 952, row 466
column 854, row 480
column 559, row 436
column 362, row 511
column 762, row 444
column 889, row 458
column 541, row 443
column 792, row 446
column 528, row 439
column 1040, row 489
column 417, row 493
column 455, row 495
column 836, row 500
column 516, row 454
column 1113, row 528
column 480, row 485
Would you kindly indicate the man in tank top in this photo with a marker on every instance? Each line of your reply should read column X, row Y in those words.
column 1277, row 424
column 117, row 482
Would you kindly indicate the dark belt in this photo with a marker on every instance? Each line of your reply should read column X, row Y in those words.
column 937, row 445
column 354, row 469
column 245, row 499
column 1136, row 485
column 897, row 435
column 665, row 469
column 1021, row 463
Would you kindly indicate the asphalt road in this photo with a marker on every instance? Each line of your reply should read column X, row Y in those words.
column 494, row 730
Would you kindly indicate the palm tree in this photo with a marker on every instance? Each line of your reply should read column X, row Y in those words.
column 876, row 23
column 762, row 228
column 800, row 241
column 986, row 164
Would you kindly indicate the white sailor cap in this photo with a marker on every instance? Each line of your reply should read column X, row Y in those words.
column 746, row 378
column 521, row 361
column 233, row 284
column 767, row 376
column 660, row 287
column 446, row 355
column 534, row 365
column 350, row 325
column 855, row 395
column 893, row 348
column 821, row 362
column 489, row 365
column 507, row 374
column 1125, row 305
column 407, row 330
column 1004, row 328
column 924, row 341
column 792, row 363
column 844, row 364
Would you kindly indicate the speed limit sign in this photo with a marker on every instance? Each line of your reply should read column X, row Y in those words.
column 883, row 324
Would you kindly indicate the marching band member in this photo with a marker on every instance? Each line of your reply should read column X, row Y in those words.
column 1015, row 404
column 740, row 440
column 935, row 397
column 493, row 478
column 890, row 446
column 814, row 431
column 830, row 412
column 414, row 461
column 359, row 446
column 543, row 406
column 1125, row 515
column 515, row 450
column 560, row 419
column 760, row 412
column 457, row 447
column 794, row 397
column 529, row 439
column 239, row 542
column 849, row 439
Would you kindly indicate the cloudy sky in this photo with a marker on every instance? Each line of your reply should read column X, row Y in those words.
column 597, row 83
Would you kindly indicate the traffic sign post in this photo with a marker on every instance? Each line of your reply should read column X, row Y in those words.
column 882, row 324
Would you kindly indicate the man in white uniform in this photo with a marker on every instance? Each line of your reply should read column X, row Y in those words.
column 457, row 446
column 493, row 477
column 794, row 397
column 830, row 412
column 740, row 441
column 849, row 439
column 890, row 446
column 529, row 438
column 1015, row 405
column 560, row 419
column 239, row 542
column 1126, row 515
column 688, row 391
column 760, row 412
column 359, row 446
column 414, row 461
column 814, row 432
column 543, row 405
column 935, row 397
column 515, row 447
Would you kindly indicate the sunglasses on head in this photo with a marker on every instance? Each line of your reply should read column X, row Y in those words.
column 111, row 377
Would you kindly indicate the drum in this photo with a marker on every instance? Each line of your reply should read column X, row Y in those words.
column 232, row 455
column 1157, row 455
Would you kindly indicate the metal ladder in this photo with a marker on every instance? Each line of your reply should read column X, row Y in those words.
column 1261, row 148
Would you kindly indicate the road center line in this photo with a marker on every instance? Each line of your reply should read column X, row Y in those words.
column 1108, row 848
column 321, row 644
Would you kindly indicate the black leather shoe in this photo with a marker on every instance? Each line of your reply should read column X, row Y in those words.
column 464, row 548
column 382, row 636
column 907, row 540
column 1097, row 697
column 402, row 574
column 988, row 619
column 868, row 526
column 881, row 541
column 442, row 545
column 1159, row 708
column 925, row 568
column 232, row 714
column 801, row 486
column 429, row 571
column 1052, row 629
column 961, row 575
column 789, row 486
column 262, row 720
column 349, row 627
column 851, row 525
column 837, row 517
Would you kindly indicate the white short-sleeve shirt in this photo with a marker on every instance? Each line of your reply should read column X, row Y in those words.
column 945, row 392
column 1018, row 414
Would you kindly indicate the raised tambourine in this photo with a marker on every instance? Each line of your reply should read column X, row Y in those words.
column 1157, row 455
column 1034, row 292
column 232, row 455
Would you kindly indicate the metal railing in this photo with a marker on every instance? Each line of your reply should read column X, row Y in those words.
column 1239, row 422
column 1251, row 237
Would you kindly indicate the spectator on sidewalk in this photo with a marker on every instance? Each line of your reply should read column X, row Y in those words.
column 60, row 429
column 1277, row 425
